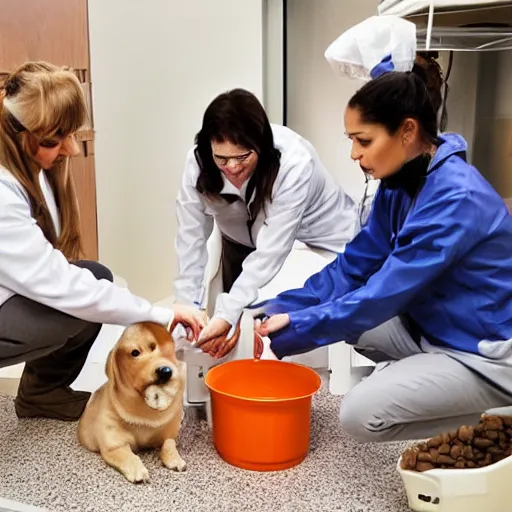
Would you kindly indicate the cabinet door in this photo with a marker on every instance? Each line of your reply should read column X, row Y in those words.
column 51, row 30
column 56, row 31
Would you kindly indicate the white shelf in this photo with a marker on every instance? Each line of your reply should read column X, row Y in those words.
column 466, row 39
column 406, row 8
column 483, row 25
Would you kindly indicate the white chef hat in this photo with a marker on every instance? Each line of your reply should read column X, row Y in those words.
column 373, row 47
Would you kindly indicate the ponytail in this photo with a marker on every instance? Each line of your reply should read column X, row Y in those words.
column 428, row 69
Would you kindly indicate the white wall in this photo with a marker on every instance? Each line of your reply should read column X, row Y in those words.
column 155, row 66
column 316, row 97
column 273, row 59
column 462, row 96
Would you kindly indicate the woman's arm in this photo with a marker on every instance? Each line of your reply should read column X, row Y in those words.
column 273, row 243
column 30, row 266
column 194, row 229
column 439, row 233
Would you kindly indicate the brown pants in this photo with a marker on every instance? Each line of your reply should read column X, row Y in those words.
column 233, row 255
column 54, row 346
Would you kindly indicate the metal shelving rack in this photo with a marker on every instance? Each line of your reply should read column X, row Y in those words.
column 472, row 26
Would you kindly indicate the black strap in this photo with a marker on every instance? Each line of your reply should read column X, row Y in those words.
column 230, row 198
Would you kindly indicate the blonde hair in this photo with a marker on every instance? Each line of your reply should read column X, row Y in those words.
column 48, row 104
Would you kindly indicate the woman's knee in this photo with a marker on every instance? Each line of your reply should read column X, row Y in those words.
column 360, row 417
column 99, row 271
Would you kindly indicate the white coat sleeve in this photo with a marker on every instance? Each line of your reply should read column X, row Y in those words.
column 30, row 266
column 194, row 229
column 274, row 242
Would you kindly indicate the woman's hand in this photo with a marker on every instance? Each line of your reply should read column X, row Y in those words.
column 271, row 324
column 192, row 319
column 213, row 339
column 214, row 328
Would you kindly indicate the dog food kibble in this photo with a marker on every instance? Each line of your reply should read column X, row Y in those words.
column 435, row 441
column 465, row 434
column 444, row 449
column 456, row 451
column 468, row 447
column 424, row 466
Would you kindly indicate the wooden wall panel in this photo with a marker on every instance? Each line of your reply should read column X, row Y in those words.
column 52, row 30
column 57, row 31
column 85, row 183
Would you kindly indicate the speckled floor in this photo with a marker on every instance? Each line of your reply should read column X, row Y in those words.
column 42, row 464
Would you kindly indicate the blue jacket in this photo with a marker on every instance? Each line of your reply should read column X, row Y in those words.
column 444, row 257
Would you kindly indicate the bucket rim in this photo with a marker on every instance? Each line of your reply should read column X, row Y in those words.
column 265, row 400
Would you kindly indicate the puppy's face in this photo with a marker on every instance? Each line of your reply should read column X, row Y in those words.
column 143, row 362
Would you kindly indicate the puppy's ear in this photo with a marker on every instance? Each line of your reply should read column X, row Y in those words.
column 108, row 366
column 111, row 368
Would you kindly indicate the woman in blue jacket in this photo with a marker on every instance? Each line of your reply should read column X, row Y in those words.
column 427, row 282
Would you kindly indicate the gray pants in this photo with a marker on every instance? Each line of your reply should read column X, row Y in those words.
column 420, row 391
column 54, row 346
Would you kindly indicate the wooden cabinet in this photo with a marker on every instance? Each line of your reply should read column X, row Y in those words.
column 57, row 31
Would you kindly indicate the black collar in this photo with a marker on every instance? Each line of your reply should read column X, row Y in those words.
column 411, row 176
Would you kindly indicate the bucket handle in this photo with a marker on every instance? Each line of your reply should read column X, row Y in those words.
column 258, row 346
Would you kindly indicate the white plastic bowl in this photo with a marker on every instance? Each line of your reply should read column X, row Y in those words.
column 486, row 489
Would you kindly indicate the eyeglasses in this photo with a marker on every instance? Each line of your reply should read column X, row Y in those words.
column 238, row 159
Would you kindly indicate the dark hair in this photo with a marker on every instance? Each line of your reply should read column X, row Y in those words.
column 393, row 97
column 238, row 117
column 435, row 82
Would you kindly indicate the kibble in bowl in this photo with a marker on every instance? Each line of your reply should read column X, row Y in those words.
column 468, row 447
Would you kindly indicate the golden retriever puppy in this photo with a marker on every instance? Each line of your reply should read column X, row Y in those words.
column 141, row 404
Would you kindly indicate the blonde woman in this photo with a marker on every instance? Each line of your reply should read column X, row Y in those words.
column 52, row 304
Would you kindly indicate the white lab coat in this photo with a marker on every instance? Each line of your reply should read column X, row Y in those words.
column 307, row 206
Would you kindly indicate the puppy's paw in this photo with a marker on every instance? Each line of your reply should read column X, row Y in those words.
column 171, row 457
column 135, row 471
column 175, row 463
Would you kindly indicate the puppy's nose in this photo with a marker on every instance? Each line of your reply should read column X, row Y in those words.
column 164, row 374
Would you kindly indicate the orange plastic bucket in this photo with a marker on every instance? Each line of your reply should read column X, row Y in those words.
column 261, row 412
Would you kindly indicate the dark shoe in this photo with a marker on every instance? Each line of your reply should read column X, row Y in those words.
column 60, row 404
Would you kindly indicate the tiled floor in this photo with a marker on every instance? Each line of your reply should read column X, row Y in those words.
column 41, row 463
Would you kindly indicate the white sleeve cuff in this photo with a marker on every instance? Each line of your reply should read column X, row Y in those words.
column 227, row 309
column 162, row 316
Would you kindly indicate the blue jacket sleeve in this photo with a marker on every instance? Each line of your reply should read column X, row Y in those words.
column 431, row 239
column 350, row 270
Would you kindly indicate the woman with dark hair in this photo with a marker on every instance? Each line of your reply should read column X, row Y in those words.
column 427, row 282
column 265, row 187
